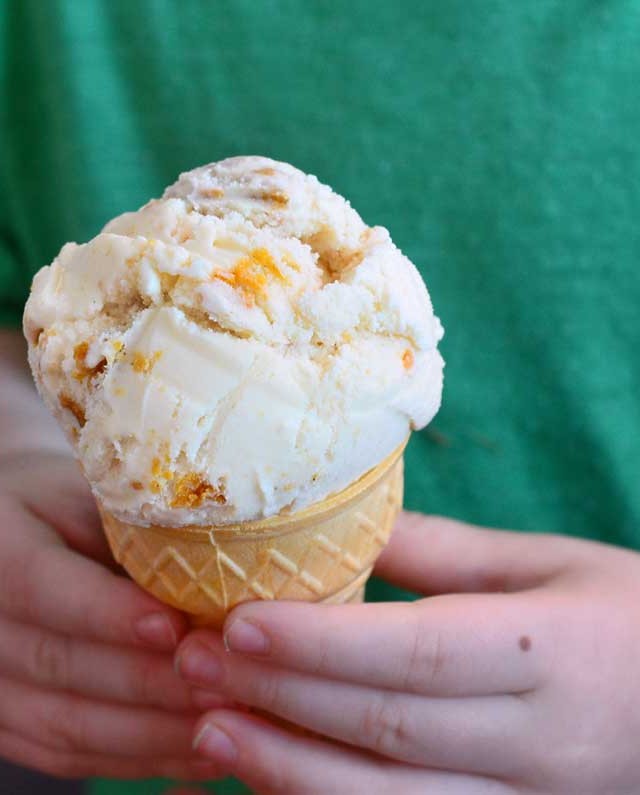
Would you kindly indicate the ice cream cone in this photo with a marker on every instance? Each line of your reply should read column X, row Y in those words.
column 324, row 553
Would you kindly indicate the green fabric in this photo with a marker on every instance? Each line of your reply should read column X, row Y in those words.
column 160, row 786
column 497, row 140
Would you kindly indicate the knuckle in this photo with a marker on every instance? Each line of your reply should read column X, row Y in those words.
column 143, row 687
column 49, row 663
column 268, row 691
column 425, row 661
column 147, row 685
column 107, row 616
column 384, row 725
column 322, row 664
column 64, row 727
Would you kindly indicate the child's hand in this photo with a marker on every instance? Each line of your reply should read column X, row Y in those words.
column 527, row 683
column 87, row 685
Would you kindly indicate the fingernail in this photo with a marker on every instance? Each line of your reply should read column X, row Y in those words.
column 199, row 665
column 157, row 630
column 246, row 638
column 214, row 743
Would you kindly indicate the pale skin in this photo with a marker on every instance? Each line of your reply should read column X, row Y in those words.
column 518, row 674
column 87, row 684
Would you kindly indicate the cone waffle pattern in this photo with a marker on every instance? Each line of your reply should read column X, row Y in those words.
column 324, row 553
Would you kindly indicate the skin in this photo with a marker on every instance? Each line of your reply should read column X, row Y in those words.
column 518, row 674
column 87, row 681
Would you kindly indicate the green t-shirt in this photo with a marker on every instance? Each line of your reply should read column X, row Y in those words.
column 497, row 140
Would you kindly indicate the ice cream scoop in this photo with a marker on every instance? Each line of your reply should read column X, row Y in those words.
column 242, row 347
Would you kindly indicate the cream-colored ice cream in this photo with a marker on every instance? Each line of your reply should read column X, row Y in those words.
column 243, row 346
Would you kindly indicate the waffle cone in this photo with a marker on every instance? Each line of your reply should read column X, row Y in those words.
column 322, row 554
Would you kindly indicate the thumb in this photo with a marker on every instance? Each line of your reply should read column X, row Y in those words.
column 434, row 555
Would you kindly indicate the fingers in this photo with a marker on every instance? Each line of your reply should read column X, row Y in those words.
column 89, row 668
column 274, row 762
column 69, row 764
column 458, row 645
column 62, row 500
column 456, row 734
column 44, row 583
column 66, row 722
column 431, row 555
